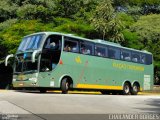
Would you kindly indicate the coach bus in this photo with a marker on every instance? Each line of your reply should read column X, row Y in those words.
column 52, row 60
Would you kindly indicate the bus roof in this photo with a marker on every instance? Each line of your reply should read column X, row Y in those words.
column 104, row 42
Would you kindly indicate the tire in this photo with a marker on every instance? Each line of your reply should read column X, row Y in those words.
column 43, row 91
column 126, row 89
column 65, row 86
column 135, row 89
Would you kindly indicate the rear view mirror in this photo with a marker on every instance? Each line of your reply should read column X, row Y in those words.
column 7, row 58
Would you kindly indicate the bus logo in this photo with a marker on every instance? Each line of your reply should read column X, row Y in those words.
column 78, row 60
column 21, row 77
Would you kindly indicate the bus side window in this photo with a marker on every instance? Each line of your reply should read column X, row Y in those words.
column 135, row 57
column 71, row 45
column 126, row 55
column 86, row 48
column 100, row 51
column 143, row 59
column 149, row 59
column 53, row 43
column 114, row 53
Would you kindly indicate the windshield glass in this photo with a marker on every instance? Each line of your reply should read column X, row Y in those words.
column 23, row 63
column 31, row 43
column 26, row 66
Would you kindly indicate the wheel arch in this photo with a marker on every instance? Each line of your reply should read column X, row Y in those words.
column 127, row 81
column 69, row 78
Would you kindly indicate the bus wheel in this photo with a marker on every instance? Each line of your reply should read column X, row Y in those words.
column 135, row 89
column 65, row 86
column 43, row 91
column 126, row 89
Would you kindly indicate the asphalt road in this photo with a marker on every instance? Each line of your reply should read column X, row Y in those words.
column 56, row 106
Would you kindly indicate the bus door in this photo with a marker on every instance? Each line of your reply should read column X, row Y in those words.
column 50, row 55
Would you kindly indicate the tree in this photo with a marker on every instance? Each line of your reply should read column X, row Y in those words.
column 148, row 30
column 37, row 9
column 106, row 22
column 7, row 10
column 74, row 27
column 75, row 9
column 130, row 38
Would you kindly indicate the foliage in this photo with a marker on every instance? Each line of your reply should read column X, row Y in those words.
column 149, row 34
column 7, row 23
column 74, row 8
column 106, row 22
column 74, row 27
column 37, row 9
column 131, row 39
column 7, row 10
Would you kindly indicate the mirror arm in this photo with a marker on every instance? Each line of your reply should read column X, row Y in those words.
column 34, row 55
column 6, row 59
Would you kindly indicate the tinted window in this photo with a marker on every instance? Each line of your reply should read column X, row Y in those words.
column 125, row 55
column 143, row 58
column 71, row 45
column 114, row 53
column 100, row 50
column 86, row 48
column 136, row 57
column 53, row 42
column 148, row 59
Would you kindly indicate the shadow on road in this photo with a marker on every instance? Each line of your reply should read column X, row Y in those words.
column 35, row 92
column 59, row 92
column 153, row 106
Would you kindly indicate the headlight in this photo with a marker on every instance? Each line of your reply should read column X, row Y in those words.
column 33, row 79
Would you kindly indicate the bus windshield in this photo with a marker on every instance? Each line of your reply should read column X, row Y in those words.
column 26, row 66
column 23, row 63
column 31, row 43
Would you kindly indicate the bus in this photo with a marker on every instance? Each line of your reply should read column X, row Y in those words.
column 52, row 60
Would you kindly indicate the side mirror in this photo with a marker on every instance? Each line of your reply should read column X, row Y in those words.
column 7, row 58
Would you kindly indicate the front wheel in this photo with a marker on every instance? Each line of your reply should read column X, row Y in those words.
column 65, row 86
column 135, row 89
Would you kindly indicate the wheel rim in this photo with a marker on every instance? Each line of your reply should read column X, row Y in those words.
column 67, row 85
column 135, row 88
column 126, row 89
